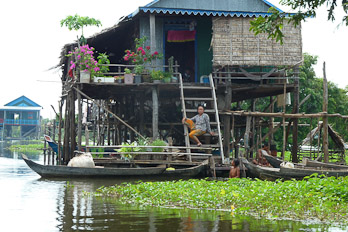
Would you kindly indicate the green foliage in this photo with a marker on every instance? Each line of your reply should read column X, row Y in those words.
column 103, row 58
column 127, row 147
column 324, row 199
column 127, row 71
column 139, row 69
column 77, row 22
column 157, row 75
column 273, row 24
column 27, row 147
column 158, row 142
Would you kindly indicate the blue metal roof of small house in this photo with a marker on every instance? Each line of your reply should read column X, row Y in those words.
column 237, row 8
column 23, row 101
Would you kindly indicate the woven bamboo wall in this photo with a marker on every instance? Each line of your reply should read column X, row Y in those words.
column 234, row 44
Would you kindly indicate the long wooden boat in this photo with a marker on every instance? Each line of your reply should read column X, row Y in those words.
column 188, row 172
column 299, row 172
column 313, row 163
column 274, row 161
column 178, row 171
column 65, row 171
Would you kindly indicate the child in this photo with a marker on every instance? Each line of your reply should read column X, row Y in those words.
column 235, row 170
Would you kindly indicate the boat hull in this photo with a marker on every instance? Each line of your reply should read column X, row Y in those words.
column 65, row 171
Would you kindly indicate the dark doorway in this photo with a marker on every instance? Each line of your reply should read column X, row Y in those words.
column 184, row 53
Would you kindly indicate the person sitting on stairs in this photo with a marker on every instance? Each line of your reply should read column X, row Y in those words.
column 199, row 125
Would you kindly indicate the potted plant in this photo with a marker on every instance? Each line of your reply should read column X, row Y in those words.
column 139, row 69
column 126, row 147
column 142, row 56
column 119, row 79
column 157, row 76
column 128, row 76
column 167, row 77
column 83, row 60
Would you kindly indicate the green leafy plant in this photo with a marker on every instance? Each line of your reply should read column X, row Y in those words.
column 139, row 69
column 103, row 60
column 157, row 75
column 158, row 142
column 127, row 71
column 77, row 22
column 128, row 147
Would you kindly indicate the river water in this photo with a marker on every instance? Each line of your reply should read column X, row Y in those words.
column 30, row 203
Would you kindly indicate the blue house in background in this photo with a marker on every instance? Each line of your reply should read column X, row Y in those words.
column 19, row 119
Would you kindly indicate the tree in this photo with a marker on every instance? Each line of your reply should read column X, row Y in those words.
column 77, row 22
column 273, row 24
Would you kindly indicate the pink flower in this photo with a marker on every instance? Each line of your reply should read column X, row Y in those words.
column 148, row 47
column 79, row 57
column 126, row 58
column 140, row 49
column 87, row 65
column 96, row 69
column 71, row 62
column 134, row 60
column 145, row 59
column 72, row 66
column 143, row 52
column 155, row 53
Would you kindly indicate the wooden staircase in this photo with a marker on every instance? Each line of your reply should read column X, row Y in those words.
column 212, row 111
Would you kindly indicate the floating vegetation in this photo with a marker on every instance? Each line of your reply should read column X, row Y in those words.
column 323, row 199
column 27, row 147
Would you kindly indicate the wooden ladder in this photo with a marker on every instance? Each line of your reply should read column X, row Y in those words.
column 214, row 111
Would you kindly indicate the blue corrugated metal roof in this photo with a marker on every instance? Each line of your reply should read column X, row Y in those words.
column 23, row 101
column 203, row 12
column 236, row 8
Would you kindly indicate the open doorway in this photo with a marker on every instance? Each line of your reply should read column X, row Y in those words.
column 183, row 51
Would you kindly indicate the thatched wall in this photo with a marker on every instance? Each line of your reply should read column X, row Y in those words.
column 234, row 44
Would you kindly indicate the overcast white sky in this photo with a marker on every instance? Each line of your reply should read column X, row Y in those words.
column 31, row 40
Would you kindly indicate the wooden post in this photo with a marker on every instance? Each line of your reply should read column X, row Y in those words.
column 296, row 106
column 66, row 130
column 153, row 32
column 45, row 146
column 72, row 125
column 271, row 122
column 325, row 118
column 79, row 120
column 283, row 121
column 247, row 135
column 227, row 121
column 60, row 132
column 155, row 107
column 253, row 131
column 141, row 113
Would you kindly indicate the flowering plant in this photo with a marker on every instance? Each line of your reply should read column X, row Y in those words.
column 84, row 60
column 141, row 56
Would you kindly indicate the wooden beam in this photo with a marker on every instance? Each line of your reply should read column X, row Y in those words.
column 296, row 108
column 79, row 120
column 325, row 118
column 153, row 32
column 227, row 121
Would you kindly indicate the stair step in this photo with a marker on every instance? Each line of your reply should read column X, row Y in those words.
column 195, row 111
column 198, row 99
column 196, row 87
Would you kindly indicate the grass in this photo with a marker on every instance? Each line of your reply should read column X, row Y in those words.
column 324, row 199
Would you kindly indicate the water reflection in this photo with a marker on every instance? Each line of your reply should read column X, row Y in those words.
column 29, row 203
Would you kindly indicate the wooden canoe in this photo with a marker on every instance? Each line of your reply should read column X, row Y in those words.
column 274, row 161
column 188, row 172
column 299, row 172
column 65, row 171
column 312, row 163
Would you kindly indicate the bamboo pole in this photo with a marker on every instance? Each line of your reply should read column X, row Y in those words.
column 325, row 118
column 60, row 132
column 118, row 118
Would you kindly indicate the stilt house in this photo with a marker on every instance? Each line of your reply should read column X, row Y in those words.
column 20, row 119
column 222, row 60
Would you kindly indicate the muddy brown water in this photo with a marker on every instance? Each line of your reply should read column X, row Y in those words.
column 30, row 203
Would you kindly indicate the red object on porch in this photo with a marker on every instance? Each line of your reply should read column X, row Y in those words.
column 1, row 120
column 181, row 36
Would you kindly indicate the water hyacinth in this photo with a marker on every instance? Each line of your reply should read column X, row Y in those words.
column 324, row 199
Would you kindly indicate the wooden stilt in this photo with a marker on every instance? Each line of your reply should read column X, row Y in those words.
column 325, row 119
column 60, row 131
column 227, row 122
column 155, row 106
column 296, row 106
column 79, row 120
